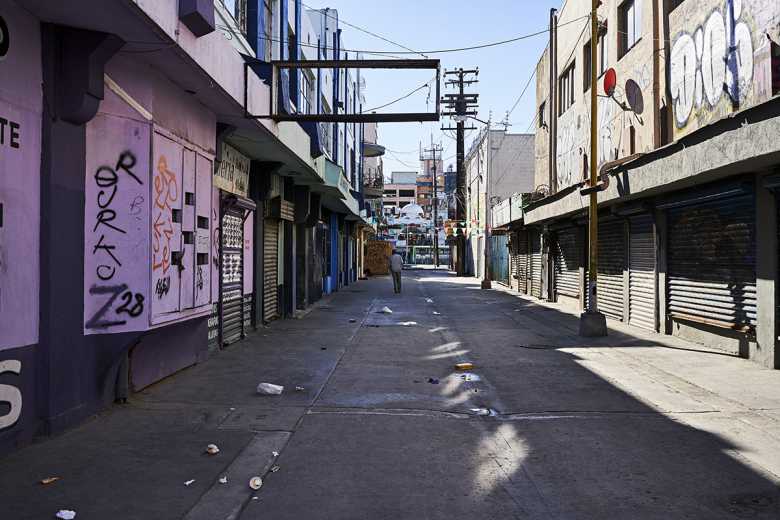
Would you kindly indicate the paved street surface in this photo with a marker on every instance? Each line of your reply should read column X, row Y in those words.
column 631, row 426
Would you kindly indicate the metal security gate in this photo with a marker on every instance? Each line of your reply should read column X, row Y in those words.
column 521, row 261
column 567, row 263
column 232, row 279
column 499, row 258
column 536, row 264
column 270, row 269
column 712, row 263
column 612, row 262
column 641, row 273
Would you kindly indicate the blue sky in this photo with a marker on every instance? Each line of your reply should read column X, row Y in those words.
column 442, row 24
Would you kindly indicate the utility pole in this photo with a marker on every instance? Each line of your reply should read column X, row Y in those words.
column 486, row 279
column 592, row 322
column 460, row 106
column 429, row 154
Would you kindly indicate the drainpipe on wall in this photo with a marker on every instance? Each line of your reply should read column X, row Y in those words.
column 656, row 77
column 553, row 124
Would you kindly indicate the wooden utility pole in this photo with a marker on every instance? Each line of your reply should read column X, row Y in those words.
column 592, row 322
column 460, row 106
column 429, row 154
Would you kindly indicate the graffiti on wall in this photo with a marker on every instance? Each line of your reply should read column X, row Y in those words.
column 712, row 65
column 166, row 192
column 119, row 300
column 573, row 138
column 115, row 225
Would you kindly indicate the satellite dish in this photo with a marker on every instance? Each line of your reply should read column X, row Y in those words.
column 610, row 82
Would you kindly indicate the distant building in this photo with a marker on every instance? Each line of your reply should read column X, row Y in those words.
column 401, row 191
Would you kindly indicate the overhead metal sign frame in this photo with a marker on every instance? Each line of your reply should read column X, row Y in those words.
column 278, row 65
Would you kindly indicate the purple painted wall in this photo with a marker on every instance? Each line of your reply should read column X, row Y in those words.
column 20, row 174
column 20, row 156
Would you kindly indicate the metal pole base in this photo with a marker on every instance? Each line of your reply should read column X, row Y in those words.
column 486, row 284
column 593, row 325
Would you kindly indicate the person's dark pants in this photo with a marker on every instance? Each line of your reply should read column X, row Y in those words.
column 396, row 281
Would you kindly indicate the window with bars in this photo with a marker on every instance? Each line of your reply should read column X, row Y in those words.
column 305, row 96
column 601, row 57
column 267, row 29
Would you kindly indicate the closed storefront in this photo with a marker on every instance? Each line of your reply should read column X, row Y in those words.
column 233, row 310
column 641, row 273
column 520, row 260
column 712, row 262
column 536, row 264
column 611, row 265
column 499, row 258
column 271, row 269
column 567, row 253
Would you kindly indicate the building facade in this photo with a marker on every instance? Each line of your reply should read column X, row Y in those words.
column 401, row 190
column 688, row 214
column 505, row 161
column 149, row 223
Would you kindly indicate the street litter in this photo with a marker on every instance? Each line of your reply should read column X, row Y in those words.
column 212, row 449
column 255, row 483
column 484, row 412
column 49, row 480
column 352, row 320
column 385, row 310
column 223, row 480
column 323, row 348
column 469, row 377
column 433, row 381
column 275, row 469
column 428, row 300
column 275, row 453
column 189, row 482
column 407, row 323
column 66, row 514
column 464, row 366
column 255, row 498
column 269, row 389
column 299, row 389
column 436, row 313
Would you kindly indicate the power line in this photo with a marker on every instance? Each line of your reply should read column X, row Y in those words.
column 521, row 94
column 341, row 20
column 426, row 84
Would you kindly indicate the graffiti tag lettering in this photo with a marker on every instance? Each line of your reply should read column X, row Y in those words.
column 163, row 286
column 104, row 245
column 166, row 191
column 716, row 59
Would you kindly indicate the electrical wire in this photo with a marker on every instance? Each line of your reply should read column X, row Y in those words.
column 361, row 29
column 426, row 84
column 521, row 94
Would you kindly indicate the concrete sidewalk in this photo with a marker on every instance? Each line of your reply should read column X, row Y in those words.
column 630, row 426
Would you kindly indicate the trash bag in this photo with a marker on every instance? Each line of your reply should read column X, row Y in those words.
column 269, row 389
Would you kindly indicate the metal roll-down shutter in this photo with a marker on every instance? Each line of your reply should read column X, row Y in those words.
column 567, row 263
column 641, row 273
column 521, row 261
column 536, row 264
column 270, row 269
column 612, row 261
column 712, row 263
column 232, row 268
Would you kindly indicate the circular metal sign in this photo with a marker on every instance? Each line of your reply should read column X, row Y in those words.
column 610, row 81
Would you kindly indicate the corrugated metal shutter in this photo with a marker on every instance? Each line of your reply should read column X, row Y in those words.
column 270, row 269
column 521, row 261
column 612, row 261
column 567, row 263
column 641, row 273
column 232, row 269
column 712, row 263
column 536, row 264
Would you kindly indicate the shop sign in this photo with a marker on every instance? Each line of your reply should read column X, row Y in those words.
column 232, row 172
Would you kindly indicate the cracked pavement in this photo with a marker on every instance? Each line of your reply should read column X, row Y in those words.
column 547, row 425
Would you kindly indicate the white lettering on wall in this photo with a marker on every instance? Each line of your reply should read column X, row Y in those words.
column 10, row 394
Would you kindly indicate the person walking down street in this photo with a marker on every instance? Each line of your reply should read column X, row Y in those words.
column 396, row 264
